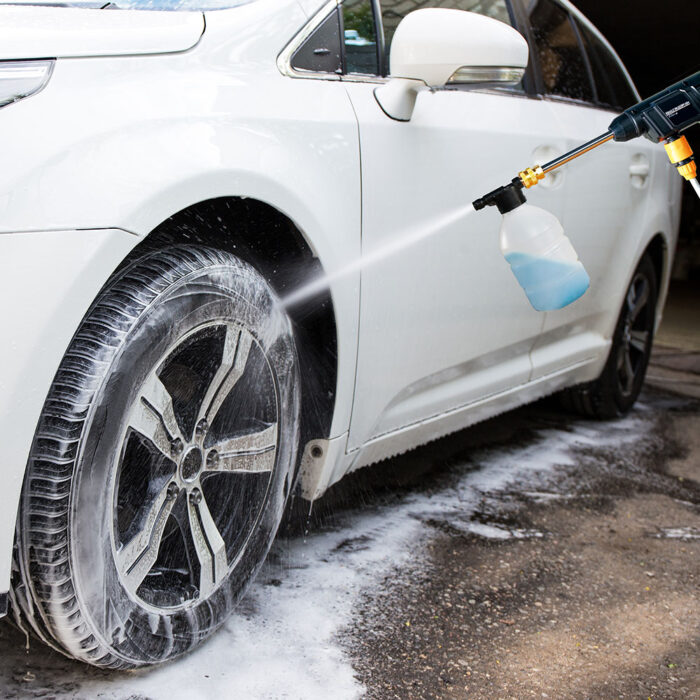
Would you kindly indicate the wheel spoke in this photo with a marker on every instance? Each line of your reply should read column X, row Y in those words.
column 627, row 372
column 153, row 417
column 209, row 545
column 638, row 340
column 136, row 558
column 640, row 294
column 253, row 452
column 236, row 348
column 620, row 357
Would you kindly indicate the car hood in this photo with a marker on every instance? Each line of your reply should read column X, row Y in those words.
column 61, row 32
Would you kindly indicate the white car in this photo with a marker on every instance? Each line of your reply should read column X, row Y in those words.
column 171, row 180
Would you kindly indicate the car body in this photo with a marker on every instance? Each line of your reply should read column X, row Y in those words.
column 150, row 114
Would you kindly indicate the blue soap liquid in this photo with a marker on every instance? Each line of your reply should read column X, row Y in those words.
column 549, row 284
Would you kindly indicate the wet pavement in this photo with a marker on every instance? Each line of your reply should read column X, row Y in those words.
column 534, row 555
column 594, row 596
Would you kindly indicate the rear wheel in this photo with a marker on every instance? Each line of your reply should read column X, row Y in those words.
column 615, row 391
column 162, row 461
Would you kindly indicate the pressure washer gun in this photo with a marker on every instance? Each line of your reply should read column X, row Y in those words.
column 533, row 241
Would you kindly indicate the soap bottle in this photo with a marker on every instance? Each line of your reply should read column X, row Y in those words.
column 542, row 258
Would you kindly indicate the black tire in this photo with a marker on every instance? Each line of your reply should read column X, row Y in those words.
column 136, row 535
column 614, row 393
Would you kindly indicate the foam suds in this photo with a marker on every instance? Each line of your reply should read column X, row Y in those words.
column 678, row 533
column 285, row 641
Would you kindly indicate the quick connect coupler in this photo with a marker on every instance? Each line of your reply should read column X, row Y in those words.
column 681, row 155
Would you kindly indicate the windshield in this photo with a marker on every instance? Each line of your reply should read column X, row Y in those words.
column 167, row 5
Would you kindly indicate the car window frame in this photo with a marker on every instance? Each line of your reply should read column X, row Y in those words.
column 583, row 21
column 532, row 79
column 535, row 59
column 284, row 59
column 533, row 83
column 308, row 36
column 380, row 48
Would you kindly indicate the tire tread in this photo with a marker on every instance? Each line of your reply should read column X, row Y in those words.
column 43, row 596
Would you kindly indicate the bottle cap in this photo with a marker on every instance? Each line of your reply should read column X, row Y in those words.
column 506, row 198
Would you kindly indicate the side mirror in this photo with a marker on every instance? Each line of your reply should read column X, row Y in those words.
column 434, row 47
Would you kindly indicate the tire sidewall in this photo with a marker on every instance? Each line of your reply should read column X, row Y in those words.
column 137, row 635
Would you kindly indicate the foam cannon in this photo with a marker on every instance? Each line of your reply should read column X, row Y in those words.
column 532, row 240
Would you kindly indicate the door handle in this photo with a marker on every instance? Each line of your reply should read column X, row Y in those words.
column 543, row 154
column 639, row 170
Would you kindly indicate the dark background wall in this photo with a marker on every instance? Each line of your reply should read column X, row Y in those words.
column 659, row 42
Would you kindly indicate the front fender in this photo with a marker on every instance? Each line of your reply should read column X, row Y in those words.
column 48, row 281
column 114, row 146
column 128, row 142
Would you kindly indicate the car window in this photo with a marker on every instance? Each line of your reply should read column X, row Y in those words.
column 612, row 85
column 360, row 37
column 393, row 11
column 163, row 5
column 322, row 51
column 562, row 62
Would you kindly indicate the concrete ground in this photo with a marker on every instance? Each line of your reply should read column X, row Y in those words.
column 535, row 555
column 604, row 605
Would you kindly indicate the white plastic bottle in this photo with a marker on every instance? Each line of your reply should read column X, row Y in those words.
column 542, row 258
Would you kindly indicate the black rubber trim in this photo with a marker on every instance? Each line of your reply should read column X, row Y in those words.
column 680, row 163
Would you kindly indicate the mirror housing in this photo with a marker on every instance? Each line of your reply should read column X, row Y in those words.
column 437, row 46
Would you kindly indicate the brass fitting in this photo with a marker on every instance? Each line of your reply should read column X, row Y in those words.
column 531, row 176
column 681, row 155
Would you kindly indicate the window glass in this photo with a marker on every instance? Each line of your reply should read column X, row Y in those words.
column 360, row 37
column 321, row 52
column 165, row 5
column 611, row 83
column 393, row 11
column 562, row 62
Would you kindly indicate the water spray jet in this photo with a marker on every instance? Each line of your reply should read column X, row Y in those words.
column 390, row 249
column 532, row 240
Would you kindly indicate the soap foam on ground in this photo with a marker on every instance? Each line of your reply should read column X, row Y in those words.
column 285, row 639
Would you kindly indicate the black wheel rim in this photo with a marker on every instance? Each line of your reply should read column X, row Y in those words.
column 636, row 335
column 194, row 471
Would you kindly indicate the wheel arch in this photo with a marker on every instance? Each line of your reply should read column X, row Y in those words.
column 80, row 261
column 657, row 248
column 264, row 237
column 659, row 252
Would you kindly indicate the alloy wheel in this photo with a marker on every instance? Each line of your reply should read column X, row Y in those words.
column 198, row 452
column 636, row 334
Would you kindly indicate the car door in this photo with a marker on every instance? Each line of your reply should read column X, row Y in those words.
column 604, row 193
column 443, row 323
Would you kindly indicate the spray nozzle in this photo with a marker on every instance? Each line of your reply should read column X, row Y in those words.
column 505, row 198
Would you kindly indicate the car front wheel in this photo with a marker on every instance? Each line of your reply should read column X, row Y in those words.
column 162, row 460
